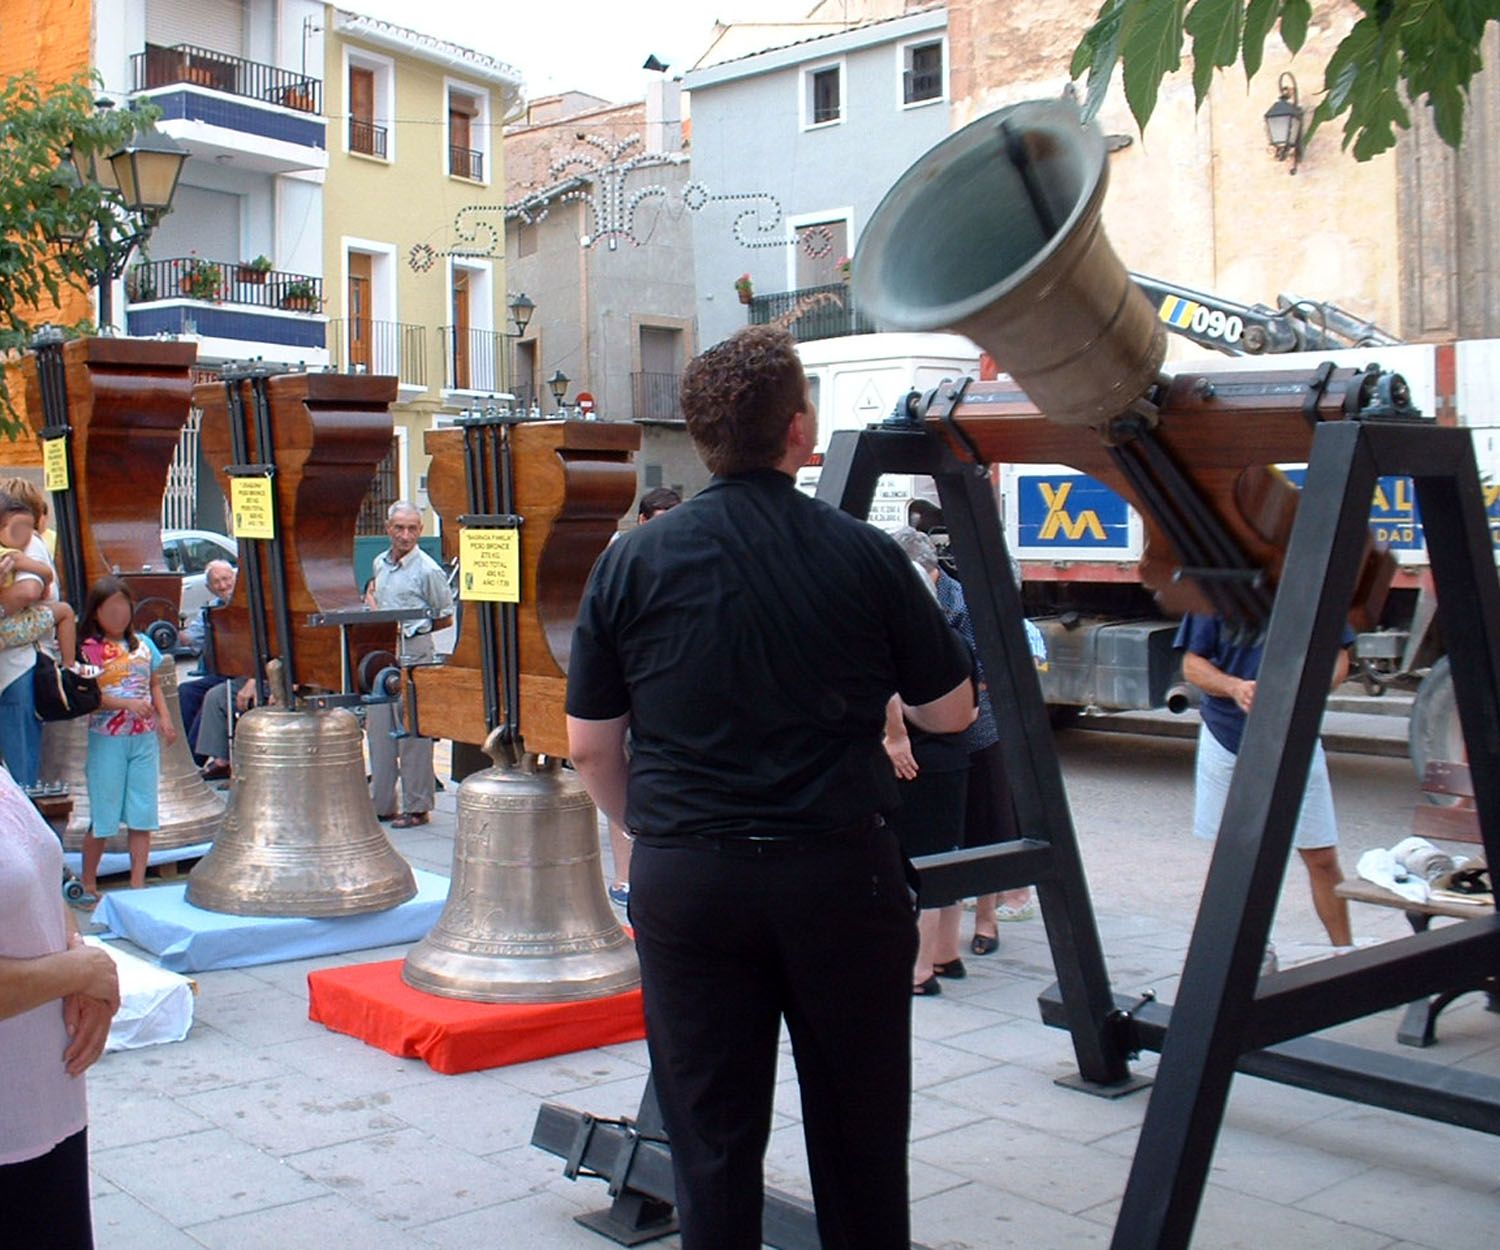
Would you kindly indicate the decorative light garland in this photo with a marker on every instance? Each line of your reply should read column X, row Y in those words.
column 600, row 183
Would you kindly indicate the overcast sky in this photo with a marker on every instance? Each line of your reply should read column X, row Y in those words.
column 597, row 46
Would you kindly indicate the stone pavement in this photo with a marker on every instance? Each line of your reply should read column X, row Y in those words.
column 263, row 1131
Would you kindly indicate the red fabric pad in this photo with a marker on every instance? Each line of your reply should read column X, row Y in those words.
column 372, row 1003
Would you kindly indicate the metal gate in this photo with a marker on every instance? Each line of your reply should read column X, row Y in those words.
column 179, row 505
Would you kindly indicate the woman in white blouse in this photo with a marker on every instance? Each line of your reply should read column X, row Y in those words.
column 57, row 997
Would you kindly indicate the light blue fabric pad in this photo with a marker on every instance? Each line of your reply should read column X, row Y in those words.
column 115, row 863
column 185, row 938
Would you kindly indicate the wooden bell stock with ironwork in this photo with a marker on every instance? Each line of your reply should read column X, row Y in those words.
column 324, row 436
column 996, row 233
column 119, row 406
column 571, row 482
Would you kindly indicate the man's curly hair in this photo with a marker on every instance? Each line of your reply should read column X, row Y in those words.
column 738, row 397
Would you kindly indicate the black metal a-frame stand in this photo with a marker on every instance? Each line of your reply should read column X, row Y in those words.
column 1225, row 1018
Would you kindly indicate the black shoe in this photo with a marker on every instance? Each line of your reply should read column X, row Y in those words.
column 984, row 944
column 954, row 970
column 927, row 988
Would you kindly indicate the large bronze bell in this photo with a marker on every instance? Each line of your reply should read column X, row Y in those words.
column 189, row 811
column 527, row 919
column 300, row 837
column 996, row 233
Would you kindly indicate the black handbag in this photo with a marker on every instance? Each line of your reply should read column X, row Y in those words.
column 60, row 693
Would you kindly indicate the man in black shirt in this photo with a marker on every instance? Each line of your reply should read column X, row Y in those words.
column 749, row 640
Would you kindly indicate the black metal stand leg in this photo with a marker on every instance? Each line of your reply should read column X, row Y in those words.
column 853, row 467
column 634, row 1217
column 1214, row 1009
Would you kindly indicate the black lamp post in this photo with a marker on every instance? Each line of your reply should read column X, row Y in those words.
column 521, row 309
column 1284, row 122
column 558, row 385
column 143, row 177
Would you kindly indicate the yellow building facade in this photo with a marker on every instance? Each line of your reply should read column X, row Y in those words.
column 413, row 222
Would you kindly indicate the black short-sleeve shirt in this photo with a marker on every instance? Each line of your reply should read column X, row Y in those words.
column 755, row 635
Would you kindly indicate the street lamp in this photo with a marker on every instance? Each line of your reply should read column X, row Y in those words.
column 558, row 385
column 143, row 176
column 521, row 309
column 1284, row 122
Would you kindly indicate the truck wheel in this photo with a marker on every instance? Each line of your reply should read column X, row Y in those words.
column 1435, row 731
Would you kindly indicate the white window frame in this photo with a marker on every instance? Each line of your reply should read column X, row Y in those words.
column 481, row 303
column 796, row 221
column 385, row 100
column 905, row 46
column 384, row 289
column 805, row 92
column 480, row 125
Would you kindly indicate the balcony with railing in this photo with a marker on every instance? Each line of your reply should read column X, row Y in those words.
column 654, row 396
column 392, row 348
column 225, row 300
column 466, row 163
column 812, row 312
column 475, row 360
column 226, row 107
column 366, row 138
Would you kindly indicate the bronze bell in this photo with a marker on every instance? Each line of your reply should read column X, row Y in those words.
column 188, row 810
column 527, row 919
column 300, row 837
column 996, row 233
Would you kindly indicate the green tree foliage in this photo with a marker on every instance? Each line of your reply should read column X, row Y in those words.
column 41, row 204
column 1399, row 52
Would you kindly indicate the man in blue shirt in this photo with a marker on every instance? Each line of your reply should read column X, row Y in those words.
column 1224, row 666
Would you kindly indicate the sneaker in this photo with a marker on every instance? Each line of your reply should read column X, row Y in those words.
column 1026, row 911
column 619, row 895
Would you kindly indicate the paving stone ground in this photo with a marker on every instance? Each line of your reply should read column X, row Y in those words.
column 263, row 1130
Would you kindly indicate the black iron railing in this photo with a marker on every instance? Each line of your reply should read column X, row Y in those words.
column 158, row 66
column 387, row 347
column 813, row 312
column 475, row 360
column 654, row 396
column 466, row 163
column 222, row 282
column 366, row 138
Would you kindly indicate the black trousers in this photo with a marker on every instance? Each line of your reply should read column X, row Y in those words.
column 44, row 1202
column 733, row 937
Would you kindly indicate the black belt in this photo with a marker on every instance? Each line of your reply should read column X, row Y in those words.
column 760, row 846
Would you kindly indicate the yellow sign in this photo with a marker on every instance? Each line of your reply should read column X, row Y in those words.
column 489, row 563
column 250, row 500
column 55, row 463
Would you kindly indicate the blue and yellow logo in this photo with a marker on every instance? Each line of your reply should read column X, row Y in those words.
column 1070, row 510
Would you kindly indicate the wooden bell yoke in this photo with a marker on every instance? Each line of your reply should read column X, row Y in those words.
column 1217, row 513
column 563, row 486
column 119, row 406
column 319, row 438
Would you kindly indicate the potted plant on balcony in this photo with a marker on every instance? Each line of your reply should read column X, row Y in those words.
column 845, row 268
column 299, row 296
column 200, row 280
column 298, row 96
column 254, row 271
column 743, row 289
column 140, row 286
